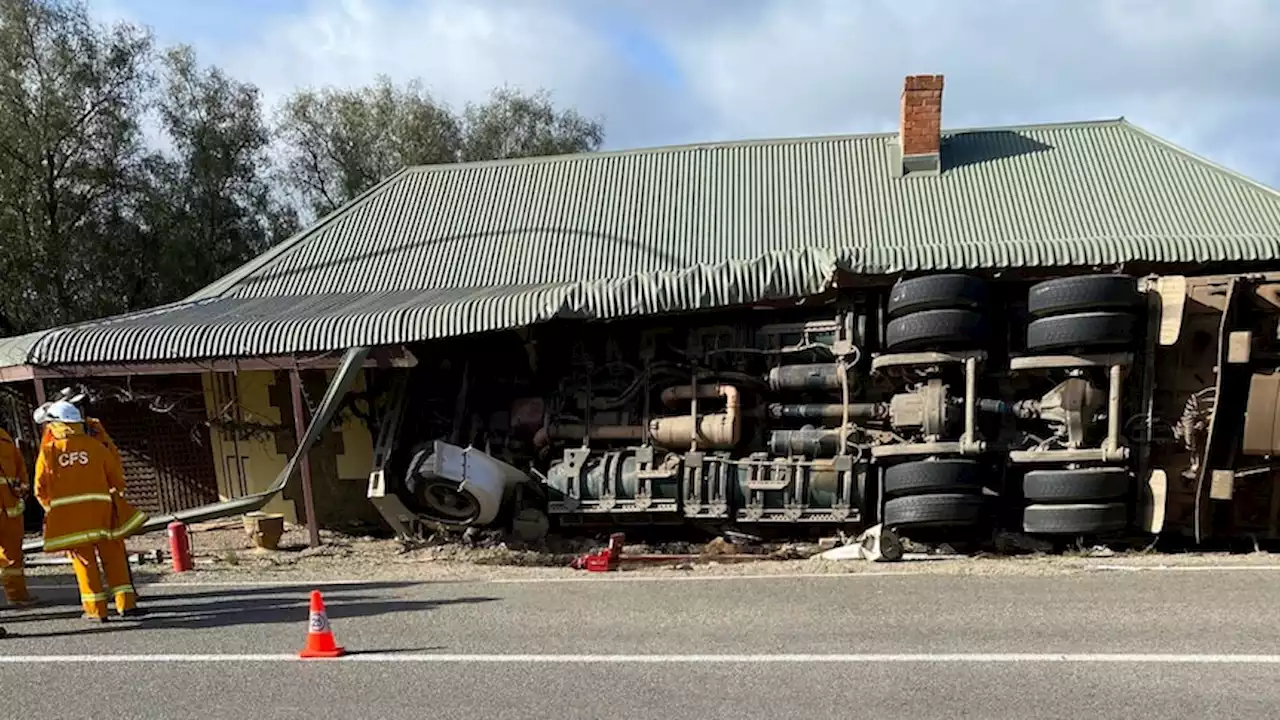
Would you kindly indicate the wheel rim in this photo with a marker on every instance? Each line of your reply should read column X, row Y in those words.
column 447, row 502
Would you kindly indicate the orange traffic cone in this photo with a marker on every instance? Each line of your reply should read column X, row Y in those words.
column 320, row 642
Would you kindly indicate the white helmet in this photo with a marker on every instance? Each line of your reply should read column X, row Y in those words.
column 41, row 414
column 70, row 395
column 63, row 411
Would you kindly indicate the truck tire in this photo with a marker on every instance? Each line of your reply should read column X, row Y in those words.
column 945, row 510
column 1084, row 485
column 1081, row 331
column 1076, row 519
column 936, row 329
column 924, row 477
column 1081, row 294
column 936, row 292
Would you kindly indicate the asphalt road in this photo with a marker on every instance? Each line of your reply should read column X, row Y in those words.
column 843, row 646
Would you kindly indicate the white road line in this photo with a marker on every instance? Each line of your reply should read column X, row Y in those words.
column 590, row 577
column 248, row 584
column 1184, row 568
column 954, row 658
column 629, row 577
column 625, row 577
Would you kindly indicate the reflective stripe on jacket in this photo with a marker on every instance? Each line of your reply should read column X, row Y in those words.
column 125, row 518
column 80, row 485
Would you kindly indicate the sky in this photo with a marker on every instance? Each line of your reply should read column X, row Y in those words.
column 1201, row 73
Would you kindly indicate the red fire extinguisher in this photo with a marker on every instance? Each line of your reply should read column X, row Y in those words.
column 179, row 546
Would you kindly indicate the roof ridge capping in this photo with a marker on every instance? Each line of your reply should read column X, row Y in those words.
column 749, row 142
column 1197, row 158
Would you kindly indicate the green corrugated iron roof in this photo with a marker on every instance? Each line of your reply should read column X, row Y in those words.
column 453, row 249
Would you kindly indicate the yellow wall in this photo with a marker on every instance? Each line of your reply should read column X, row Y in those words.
column 246, row 466
column 356, row 461
column 249, row 466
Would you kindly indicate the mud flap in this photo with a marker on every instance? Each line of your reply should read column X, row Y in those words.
column 343, row 379
column 1230, row 386
column 1152, row 500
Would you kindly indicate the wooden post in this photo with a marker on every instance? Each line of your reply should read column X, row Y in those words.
column 40, row 396
column 304, row 460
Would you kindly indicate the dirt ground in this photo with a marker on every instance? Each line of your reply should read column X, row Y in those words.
column 223, row 551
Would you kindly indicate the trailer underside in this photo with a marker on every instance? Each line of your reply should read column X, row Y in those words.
column 940, row 407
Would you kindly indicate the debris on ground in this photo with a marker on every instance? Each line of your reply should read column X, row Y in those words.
column 1010, row 542
column 844, row 552
column 720, row 546
column 740, row 538
column 226, row 548
column 827, row 543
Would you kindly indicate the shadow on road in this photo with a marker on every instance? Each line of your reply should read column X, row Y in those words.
column 239, row 607
column 160, row 593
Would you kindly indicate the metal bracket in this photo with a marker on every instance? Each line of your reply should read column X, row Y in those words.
column 1056, row 362
column 926, row 449
column 1084, row 455
column 926, row 358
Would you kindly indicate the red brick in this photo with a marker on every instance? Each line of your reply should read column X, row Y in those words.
column 921, row 114
column 924, row 82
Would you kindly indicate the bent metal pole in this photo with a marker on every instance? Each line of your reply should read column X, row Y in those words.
column 304, row 460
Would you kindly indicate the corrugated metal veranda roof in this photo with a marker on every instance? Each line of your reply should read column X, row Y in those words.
column 455, row 249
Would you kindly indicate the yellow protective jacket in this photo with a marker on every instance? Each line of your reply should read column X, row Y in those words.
column 81, row 487
column 14, row 482
column 126, row 520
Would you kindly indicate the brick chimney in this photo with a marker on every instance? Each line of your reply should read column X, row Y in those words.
column 920, row 132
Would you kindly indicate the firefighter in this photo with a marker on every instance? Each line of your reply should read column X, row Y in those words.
column 14, row 485
column 124, row 520
column 125, row 524
column 80, row 486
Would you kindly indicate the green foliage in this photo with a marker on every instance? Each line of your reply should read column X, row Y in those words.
column 132, row 176
column 516, row 125
column 71, row 100
column 209, row 207
column 339, row 143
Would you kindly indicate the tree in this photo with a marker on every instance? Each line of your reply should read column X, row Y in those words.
column 95, row 220
column 339, row 143
column 71, row 97
column 209, row 207
column 515, row 125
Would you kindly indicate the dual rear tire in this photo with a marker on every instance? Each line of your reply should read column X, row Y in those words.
column 936, row 312
column 943, row 494
column 1082, row 501
column 1090, row 312
column 1073, row 313
column 948, row 494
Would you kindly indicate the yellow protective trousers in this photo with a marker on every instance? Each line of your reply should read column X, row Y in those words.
column 12, row 576
column 115, row 564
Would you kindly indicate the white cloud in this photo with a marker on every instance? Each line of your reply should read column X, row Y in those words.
column 1200, row 72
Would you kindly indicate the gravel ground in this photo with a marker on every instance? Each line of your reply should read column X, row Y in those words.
column 224, row 552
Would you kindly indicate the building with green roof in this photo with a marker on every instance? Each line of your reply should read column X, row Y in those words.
column 451, row 250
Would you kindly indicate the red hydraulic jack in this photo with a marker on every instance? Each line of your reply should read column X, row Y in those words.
column 601, row 560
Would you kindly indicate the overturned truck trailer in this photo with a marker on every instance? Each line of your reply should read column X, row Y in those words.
column 942, row 406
